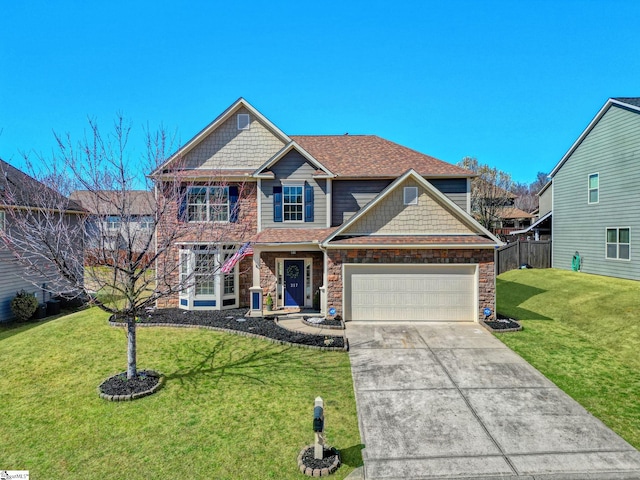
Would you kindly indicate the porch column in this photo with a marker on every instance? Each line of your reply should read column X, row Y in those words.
column 256, row 289
column 323, row 288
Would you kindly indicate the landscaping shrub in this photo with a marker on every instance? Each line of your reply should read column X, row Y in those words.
column 24, row 305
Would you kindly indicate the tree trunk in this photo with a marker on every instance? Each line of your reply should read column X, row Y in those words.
column 131, row 347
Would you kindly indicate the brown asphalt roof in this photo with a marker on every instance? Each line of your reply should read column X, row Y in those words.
column 107, row 202
column 293, row 235
column 513, row 212
column 371, row 156
column 401, row 240
column 19, row 189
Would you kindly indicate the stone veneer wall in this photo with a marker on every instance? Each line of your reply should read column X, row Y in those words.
column 268, row 277
column 483, row 257
column 240, row 231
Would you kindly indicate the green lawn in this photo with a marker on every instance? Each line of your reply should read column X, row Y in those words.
column 583, row 332
column 231, row 408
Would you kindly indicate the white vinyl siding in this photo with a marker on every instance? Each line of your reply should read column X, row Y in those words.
column 411, row 292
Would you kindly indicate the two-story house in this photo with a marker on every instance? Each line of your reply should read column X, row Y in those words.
column 117, row 219
column 354, row 225
column 22, row 198
column 594, row 194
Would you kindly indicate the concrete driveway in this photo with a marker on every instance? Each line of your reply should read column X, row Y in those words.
column 449, row 400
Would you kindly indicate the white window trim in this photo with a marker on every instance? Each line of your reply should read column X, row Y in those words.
column 404, row 196
column 589, row 188
column 294, row 185
column 208, row 204
column 617, row 243
column 279, row 300
column 246, row 121
column 114, row 224
column 219, row 296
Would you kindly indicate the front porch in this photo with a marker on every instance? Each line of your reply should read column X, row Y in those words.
column 291, row 281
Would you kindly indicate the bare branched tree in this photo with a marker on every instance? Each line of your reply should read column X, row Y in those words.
column 490, row 191
column 128, row 224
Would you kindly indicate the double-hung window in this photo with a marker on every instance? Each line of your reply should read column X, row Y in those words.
column 292, row 203
column 594, row 188
column 204, row 269
column 113, row 223
column 618, row 243
column 208, row 204
column 146, row 223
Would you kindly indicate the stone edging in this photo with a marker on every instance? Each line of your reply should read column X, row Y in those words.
column 501, row 330
column 133, row 396
column 320, row 325
column 318, row 472
column 236, row 332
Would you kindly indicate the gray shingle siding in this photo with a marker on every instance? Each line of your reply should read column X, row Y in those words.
column 294, row 166
column 611, row 149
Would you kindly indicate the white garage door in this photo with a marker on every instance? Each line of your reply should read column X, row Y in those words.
column 411, row 292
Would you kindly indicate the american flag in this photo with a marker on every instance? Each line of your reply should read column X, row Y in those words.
column 242, row 252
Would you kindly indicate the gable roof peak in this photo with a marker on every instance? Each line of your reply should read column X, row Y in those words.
column 220, row 119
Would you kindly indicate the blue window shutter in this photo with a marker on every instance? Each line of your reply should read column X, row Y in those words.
column 277, row 204
column 182, row 206
column 234, row 206
column 308, row 203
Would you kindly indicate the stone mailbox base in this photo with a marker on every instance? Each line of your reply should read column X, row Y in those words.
column 318, row 468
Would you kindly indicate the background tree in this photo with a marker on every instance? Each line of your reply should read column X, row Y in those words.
column 527, row 194
column 491, row 191
column 122, row 278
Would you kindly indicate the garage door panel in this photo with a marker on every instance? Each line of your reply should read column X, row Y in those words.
column 405, row 292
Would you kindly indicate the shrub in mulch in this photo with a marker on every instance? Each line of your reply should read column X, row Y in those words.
column 234, row 320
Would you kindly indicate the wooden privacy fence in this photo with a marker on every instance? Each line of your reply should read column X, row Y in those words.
column 534, row 253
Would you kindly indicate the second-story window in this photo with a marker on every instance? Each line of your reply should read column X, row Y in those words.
column 594, row 188
column 146, row 223
column 292, row 203
column 208, row 204
column 113, row 223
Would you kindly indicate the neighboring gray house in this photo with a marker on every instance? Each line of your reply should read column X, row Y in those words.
column 595, row 194
column 117, row 218
column 350, row 225
column 20, row 191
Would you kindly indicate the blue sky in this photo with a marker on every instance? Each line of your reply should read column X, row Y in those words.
column 512, row 83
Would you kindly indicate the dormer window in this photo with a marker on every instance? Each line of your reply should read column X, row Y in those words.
column 243, row 121
column 410, row 195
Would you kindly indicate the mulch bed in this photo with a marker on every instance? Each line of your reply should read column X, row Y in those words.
column 313, row 467
column 330, row 323
column 119, row 387
column 235, row 320
column 503, row 324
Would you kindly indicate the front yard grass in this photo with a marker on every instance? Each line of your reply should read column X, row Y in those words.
column 583, row 333
column 232, row 407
